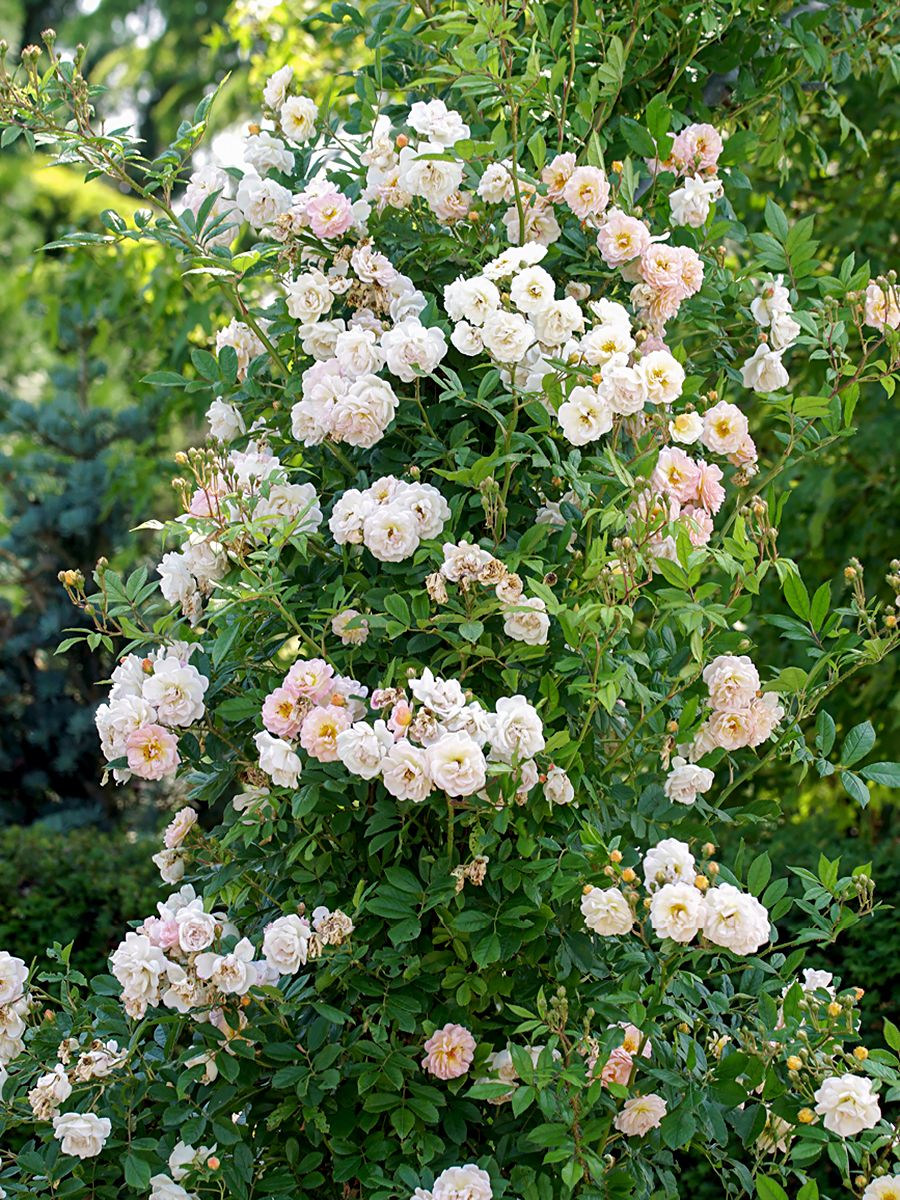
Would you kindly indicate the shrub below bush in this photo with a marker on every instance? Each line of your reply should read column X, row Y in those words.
column 81, row 886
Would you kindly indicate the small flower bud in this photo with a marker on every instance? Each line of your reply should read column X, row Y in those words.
column 860, row 1053
column 708, row 849
column 181, row 458
column 213, row 1163
column 806, row 1116
column 701, row 882
column 684, row 1027
column 615, row 856
column 859, row 992
column 401, row 140
column 793, row 1063
column 835, row 1009
column 628, row 876
column 713, row 868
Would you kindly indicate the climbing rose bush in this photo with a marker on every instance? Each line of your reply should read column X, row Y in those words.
column 448, row 658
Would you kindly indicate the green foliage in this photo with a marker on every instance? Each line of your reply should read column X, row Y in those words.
column 78, row 886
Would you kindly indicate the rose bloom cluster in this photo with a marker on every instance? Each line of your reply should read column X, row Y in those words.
column 465, row 564
column 682, row 905
column 149, row 699
column 15, row 1005
column 771, row 309
column 434, row 737
column 390, row 517
column 196, row 962
column 242, row 496
column 742, row 715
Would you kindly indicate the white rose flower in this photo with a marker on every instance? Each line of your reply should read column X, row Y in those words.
column 670, row 861
column 266, row 153
column 116, row 720
column 686, row 781
column 391, row 533
column 605, row 342
column 724, row 428
column 514, row 259
column 887, row 1187
column 358, row 352
column 526, row 621
column 83, row 1135
column 433, row 178
column 663, row 376
column 558, row 787
column 444, row 697
column 412, row 349
column 686, row 428
column 176, row 691
column 622, row 387
column 496, row 184
column 774, row 301
column 286, row 943
column 405, row 773
column 177, row 584
column 517, row 731
column 278, row 760
column 298, row 118
column 170, row 864
column 584, row 416
column 429, row 508
column 225, row 421
column 735, row 919
column 507, row 335
column 276, row 90
column 764, row 371
column 783, row 332
column 456, row 764
column 558, row 321
column 294, row 502
column 691, row 202
column 433, row 119
column 163, row 1187
column 677, row 911
column 261, row 201
column 138, row 965
column 610, row 312
column 364, row 412
column 462, row 1183
column 848, row 1105
column 308, row 297
column 319, row 338
column 185, row 1157
column 467, row 339
column 196, row 928
column 349, row 515
column 532, row 290
column 362, row 747
column 234, row 974
column 471, row 300
column 606, row 911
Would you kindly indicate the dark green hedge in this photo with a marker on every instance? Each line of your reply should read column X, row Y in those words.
column 82, row 886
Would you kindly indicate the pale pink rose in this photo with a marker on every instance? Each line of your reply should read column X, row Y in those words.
column 449, row 1052
column 766, row 713
column 690, row 270
column 640, row 1115
column 732, row 729
column 330, row 214
column 152, row 752
column 710, row 494
column 653, row 342
column 586, row 192
column 282, row 713
column 733, row 681
column 309, row 678
column 400, row 719
column 676, row 473
column 617, row 1068
column 699, row 524
column 632, row 1038
column 319, row 731
column 746, row 455
column 697, row 148
column 557, row 174
column 882, row 305
column 621, row 238
column 660, row 266
column 179, row 827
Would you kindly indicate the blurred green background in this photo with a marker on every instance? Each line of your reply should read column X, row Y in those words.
column 86, row 449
